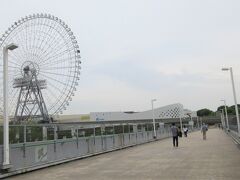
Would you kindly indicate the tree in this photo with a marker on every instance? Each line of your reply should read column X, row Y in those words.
column 230, row 109
column 205, row 112
column 221, row 107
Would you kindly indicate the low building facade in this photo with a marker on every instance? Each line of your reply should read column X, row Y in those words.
column 172, row 111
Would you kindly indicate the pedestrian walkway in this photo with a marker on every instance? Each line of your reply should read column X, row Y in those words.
column 216, row 158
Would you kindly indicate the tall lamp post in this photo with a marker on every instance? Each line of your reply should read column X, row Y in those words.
column 222, row 117
column 198, row 122
column 191, row 120
column 225, row 106
column 153, row 116
column 6, row 161
column 234, row 96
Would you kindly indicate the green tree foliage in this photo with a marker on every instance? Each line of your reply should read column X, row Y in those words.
column 205, row 112
column 220, row 108
column 230, row 109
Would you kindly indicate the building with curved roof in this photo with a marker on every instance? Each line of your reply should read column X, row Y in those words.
column 172, row 111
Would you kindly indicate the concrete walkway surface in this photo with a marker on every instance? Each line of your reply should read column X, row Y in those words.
column 216, row 158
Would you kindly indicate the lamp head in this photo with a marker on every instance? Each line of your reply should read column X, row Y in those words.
column 225, row 69
column 154, row 100
column 12, row 46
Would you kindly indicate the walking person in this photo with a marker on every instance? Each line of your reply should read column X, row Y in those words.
column 204, row 131
column 174, row 135
column 185, row 130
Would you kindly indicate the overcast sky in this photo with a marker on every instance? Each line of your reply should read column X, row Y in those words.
column 136, row 50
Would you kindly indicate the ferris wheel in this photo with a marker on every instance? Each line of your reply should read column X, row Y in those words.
column 49, row 52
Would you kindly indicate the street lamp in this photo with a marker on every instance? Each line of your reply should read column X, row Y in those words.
column 234, row 96
column 191, row 120
column 223, row 119
column 198, row 122
column 153, row 116
column 226, row 113
column 6, row 162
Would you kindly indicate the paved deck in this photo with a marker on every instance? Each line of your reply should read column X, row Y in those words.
column 216, row 158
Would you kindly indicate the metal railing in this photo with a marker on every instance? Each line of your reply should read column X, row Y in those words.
column 37, row 146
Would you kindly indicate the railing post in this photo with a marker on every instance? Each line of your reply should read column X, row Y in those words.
column 129, row 133
column 157, row 130
column 44, row 133
column 102, row 138
column 147, row 133
column 123, row 136
column 55, row 138
column 77, row 138
column 137, row 135
column 24, row 140
column 94, row 140
column 113, row 136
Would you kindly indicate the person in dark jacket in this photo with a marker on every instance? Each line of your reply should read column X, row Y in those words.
column 204, row 131
column 174, row 135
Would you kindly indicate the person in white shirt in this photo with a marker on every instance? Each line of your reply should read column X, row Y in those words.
column 185, row 130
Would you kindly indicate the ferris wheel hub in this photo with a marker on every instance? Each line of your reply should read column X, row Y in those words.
column 29, row 66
